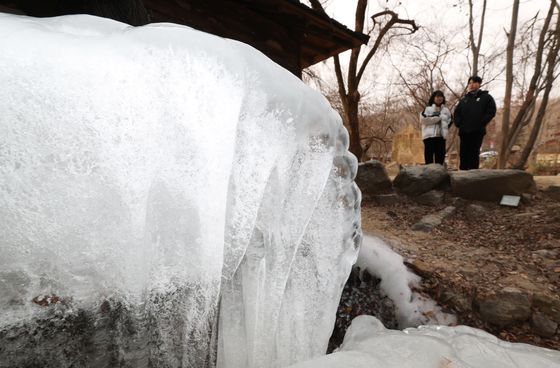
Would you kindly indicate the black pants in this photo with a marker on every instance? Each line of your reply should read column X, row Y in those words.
column 434, row 148
column 469, row 150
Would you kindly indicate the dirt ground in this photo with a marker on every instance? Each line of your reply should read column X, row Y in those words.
column 476, row 252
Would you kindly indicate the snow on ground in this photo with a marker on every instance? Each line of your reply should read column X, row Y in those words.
column 413, row 309
column 368, row 344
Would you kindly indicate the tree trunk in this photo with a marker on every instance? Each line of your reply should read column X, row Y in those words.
column 354, row 124
column 551, row 61
column 509, row 84
column 527, row 108
column 348, row 90
column 475, row 47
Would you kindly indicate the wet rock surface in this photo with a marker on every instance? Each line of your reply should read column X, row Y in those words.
column 110, row 334
column 361, row 295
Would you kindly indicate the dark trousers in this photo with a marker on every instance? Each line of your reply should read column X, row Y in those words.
column 434, row 148
column 469, row 150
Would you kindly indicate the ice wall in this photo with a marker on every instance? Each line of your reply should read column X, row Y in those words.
column 156, row 183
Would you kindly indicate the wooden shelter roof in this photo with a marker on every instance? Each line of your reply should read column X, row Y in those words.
column 289, row 32
column 276, row 27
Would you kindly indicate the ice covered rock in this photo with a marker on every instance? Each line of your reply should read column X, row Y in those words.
column 152, row 177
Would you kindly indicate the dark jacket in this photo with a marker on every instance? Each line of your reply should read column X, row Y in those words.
column 474, row 112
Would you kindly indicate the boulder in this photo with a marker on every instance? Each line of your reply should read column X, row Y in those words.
column 491, row 185
column 415, row 180
column 505, row 307
column 474, row 212
column 386, row 199
column 543, row 326
column 548, row 303
column 458, row 300
column 431, row 198
column 553, row 192
column 372, row 179
column 428, row 222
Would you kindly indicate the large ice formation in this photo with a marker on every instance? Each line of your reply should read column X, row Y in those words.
column 173, row 199
column 368, row 344
column 167, row 198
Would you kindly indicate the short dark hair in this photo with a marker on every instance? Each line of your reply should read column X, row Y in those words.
column 433, row 97
column 475, row 78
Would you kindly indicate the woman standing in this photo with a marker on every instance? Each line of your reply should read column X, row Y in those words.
column 435, row 121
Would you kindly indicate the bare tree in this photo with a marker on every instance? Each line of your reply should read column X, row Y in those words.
column 383, row 22
column 475, row 46
column 541, row 80
column 552, row 62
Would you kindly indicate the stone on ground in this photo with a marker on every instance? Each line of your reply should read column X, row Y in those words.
column 431, row 198
column 415, row 180
column 543, row 326
column 372, row 179
column 386, row 199
column 429, row 222
column 491, row 185
column 553, row 192
column 505, row 307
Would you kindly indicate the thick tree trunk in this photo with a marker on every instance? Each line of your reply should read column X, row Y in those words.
column 354, row 124
column 348, row 89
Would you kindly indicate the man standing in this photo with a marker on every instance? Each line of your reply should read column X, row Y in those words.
column 473, row 112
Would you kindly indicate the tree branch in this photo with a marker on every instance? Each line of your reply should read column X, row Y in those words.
column 392, row 21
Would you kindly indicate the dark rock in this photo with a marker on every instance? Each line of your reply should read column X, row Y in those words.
column 415, row 180
column 548, row 304
column 474, row 211
column 542, row 325
column 457, row 300
column 361, row 295
column 386, row 199
column 458, row 202
column 491, row 185
column 526, row 198
column 110, row 333
column 553, row 192
column 431, row 198
column 372, row 179
column 445, row 186
column 505, row 307
column 427, row 223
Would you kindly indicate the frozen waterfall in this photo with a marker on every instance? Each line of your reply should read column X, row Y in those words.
column 167, row 198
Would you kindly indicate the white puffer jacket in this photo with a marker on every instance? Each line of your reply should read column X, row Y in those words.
column 435, row 121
